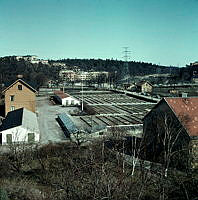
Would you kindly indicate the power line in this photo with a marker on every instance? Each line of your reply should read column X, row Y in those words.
column 126, row 57
column 126, row 53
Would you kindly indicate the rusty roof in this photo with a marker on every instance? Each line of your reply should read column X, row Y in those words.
column 186, row 109
column 61, row 94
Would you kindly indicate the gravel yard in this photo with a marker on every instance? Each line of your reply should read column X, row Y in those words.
column 47, row 113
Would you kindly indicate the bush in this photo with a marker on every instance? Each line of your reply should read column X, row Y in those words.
column 3, row 194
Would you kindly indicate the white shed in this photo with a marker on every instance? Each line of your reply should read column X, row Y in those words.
column 19, row 126
column 69, row 101
column 65, row 99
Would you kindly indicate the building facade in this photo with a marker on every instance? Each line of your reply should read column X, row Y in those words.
column 19, row 126
column 19, row 95
column 65, row 99
column 172, row 126
column 144, row 86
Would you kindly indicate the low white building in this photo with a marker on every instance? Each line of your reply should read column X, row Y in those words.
column 19, row 126
column 65, row 99
column 58, row 64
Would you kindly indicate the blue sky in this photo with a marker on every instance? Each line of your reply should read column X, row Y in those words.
column 157, row 31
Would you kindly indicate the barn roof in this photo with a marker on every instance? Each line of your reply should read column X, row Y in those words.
column 185, row 108
column 61, row 94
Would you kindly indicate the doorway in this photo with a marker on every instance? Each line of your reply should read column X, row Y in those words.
column 0, row 138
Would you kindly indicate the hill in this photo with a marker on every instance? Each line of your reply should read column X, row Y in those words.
column 135, row 68
column 38, row 73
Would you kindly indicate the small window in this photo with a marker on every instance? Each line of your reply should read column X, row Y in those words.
column 12, row 108
column 11, row 97
column 19, row 87
column 9, row 138
column 31, row 137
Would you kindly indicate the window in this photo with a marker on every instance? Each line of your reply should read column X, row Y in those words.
column 31, row 137
column 12, row 108
column 9, row 138
column 11, row 97
column 0, row 138
column 19, row 87
column 72, row 102
column 66, row 102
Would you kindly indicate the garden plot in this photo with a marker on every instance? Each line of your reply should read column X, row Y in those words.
column 108, row 99
column 136, row 108
column 113, row 110
column 104, row 121
column 122, row 109
column 105, row 109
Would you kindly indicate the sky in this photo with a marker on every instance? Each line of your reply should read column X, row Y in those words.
column 163, row 32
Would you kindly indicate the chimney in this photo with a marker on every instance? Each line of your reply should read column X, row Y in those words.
column 19, row 76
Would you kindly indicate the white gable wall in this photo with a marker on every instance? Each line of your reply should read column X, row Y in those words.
column 68, row 101
column 19, row 134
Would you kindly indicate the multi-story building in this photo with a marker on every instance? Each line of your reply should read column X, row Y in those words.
column 84, row 76
column 18, row 95
column 68, row 75
column 97, row 74
column 72, row 75
column 32, row 59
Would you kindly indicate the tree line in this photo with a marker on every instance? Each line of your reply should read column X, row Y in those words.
column 110, row 65
column 35, row 74
column 38, row 74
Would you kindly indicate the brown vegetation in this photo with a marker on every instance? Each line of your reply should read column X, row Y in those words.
column 65, row 171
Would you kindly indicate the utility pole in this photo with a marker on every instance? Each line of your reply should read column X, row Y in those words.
column 82, row 90
column 126, row 57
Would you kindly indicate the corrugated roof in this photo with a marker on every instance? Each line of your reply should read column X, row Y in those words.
column 186, row 109
column 61, row 94
column 68, row 123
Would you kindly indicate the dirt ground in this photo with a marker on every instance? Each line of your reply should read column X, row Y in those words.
column 47, row 113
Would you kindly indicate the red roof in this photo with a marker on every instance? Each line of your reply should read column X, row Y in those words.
column 61, row 94
column 186, row 108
